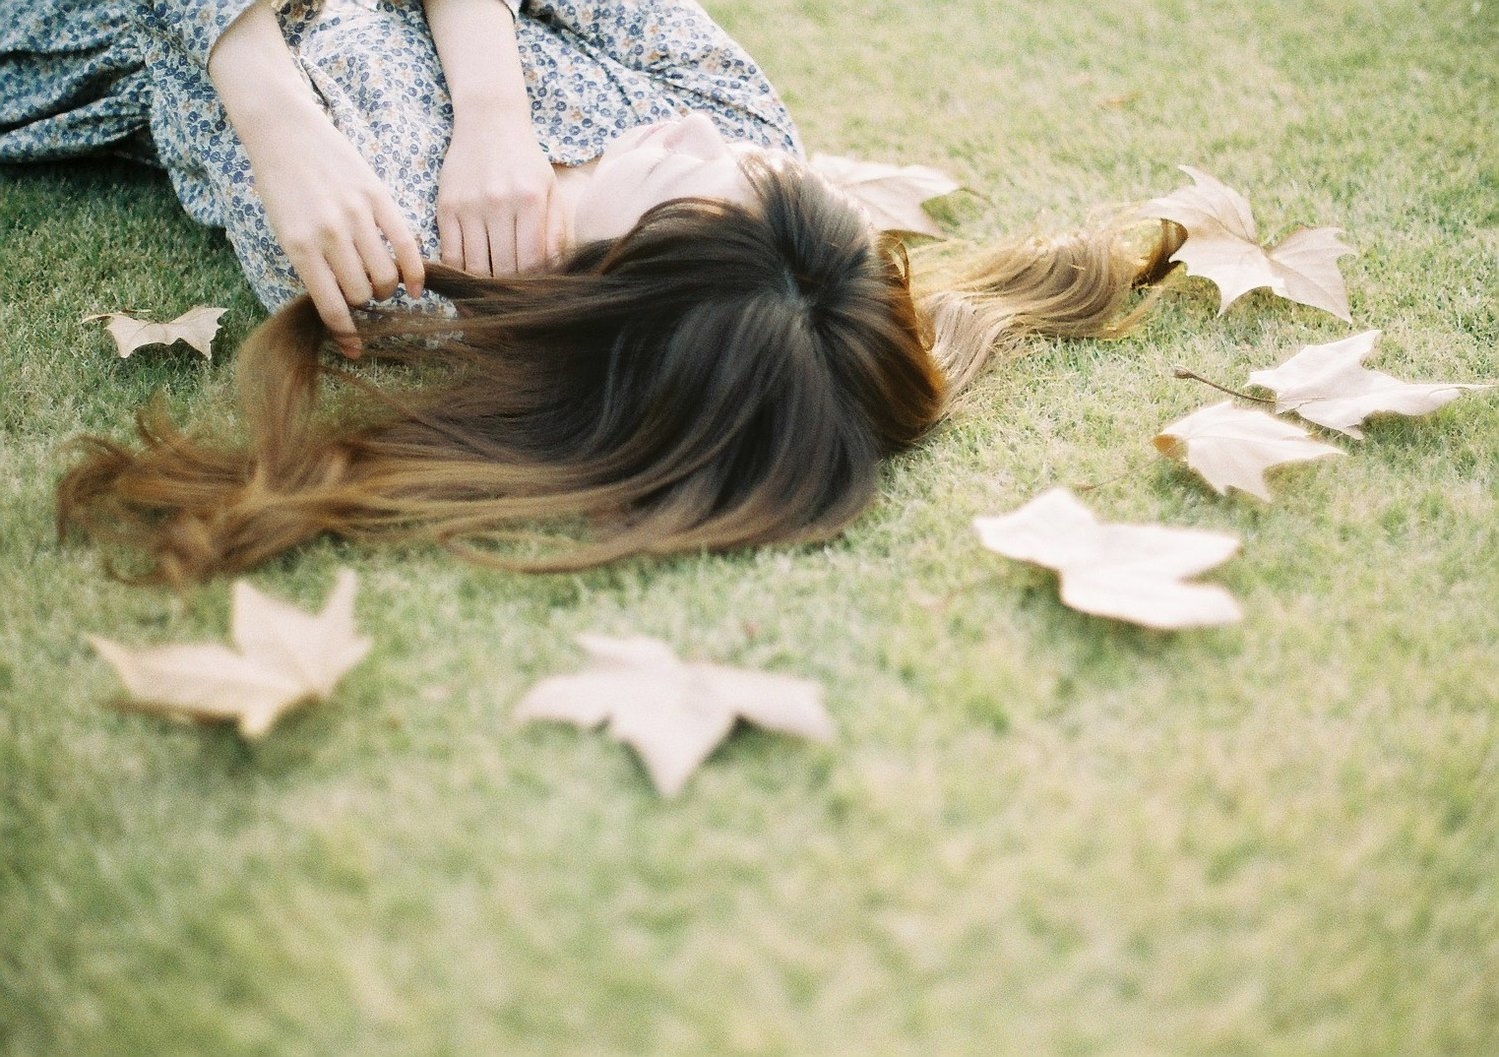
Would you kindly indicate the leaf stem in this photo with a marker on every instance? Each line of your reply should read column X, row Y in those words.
column 1182, row 372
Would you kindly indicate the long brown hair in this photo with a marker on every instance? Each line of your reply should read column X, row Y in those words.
column 721, row 376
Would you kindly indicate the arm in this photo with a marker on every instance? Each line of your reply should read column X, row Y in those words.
column 496, row 207
column 327, row 207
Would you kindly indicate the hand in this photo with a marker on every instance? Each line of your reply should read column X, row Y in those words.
column 334, row 218
column 497, row 207
column 337, row 222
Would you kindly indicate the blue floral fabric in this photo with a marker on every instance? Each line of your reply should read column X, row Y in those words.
column 593, row 69
column 72, row 82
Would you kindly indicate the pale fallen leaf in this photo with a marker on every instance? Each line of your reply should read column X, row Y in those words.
column 1232, row 447
column 197, row 326
column 672, row 712
column 283, row 658
column 1127, row 572
column 1326, row 384
column 891, row 194
column 1222, row 246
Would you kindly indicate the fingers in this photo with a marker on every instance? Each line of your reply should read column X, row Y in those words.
column 335, row 278
column 403, row 244
column 556, row 229
column 328, row 298
column 531, row 238
column 355, row 268
column 449, row 238
column 463, row 240
column 501, row 234
column 541, row 234
column 378, row 265
column 479, row 252
column 352, row 271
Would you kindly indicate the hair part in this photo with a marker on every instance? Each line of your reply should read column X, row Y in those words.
column 718, row 377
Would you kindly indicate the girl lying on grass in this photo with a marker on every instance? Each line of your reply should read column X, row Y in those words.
column 668, row 330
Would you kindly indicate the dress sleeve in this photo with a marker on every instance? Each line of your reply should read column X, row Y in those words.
column 197, row 24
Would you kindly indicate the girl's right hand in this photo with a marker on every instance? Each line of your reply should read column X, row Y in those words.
column 335, row 219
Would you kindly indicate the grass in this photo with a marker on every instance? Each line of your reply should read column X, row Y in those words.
column 1037, row 833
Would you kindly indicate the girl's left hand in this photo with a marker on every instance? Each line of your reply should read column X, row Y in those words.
column 497, row 208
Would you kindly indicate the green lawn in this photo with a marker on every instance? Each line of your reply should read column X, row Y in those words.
column 1037, row 832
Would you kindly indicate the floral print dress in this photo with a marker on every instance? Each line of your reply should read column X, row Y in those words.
column 90, row 76
column 72, row 82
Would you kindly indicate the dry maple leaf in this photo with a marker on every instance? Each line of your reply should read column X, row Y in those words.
column 672, row 712
column 1232, row 447
column 1328, row 385
column 282, row 658
column 1222, row 246
column 891, row 194
column 1127, row 572
column 197, row 326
